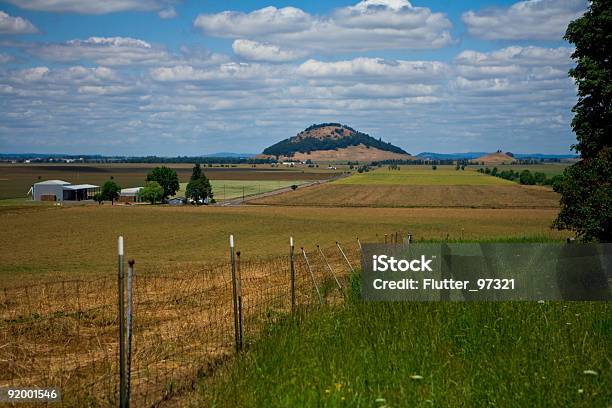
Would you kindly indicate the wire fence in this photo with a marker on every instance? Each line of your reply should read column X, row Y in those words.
column 66, row 334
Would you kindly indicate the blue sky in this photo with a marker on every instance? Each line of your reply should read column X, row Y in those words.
column 164, row 77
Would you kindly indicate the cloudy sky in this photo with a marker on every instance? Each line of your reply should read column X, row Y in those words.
column 171, row 77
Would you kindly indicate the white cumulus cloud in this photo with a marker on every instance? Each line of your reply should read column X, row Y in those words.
column 256, row 51
column 15, row 25
column 368, row 25
column 89, row 6
column 168, row 13
column 529, row 19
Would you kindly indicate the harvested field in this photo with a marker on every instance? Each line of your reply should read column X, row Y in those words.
column 374, row 195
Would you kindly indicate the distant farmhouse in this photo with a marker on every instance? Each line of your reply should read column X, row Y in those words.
column 60, row 190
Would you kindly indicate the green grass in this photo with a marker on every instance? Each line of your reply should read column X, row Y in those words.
column 227, row 189
column 420, row 175
column 522, row 354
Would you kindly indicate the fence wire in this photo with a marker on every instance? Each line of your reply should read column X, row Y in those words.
column 66, row 334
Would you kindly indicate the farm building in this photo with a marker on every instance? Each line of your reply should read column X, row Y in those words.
column 129, row 195
column 60, row 190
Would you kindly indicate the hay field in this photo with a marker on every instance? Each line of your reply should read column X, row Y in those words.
column 51, row 242
column 16, row 179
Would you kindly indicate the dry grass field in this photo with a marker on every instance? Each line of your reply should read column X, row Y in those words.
column 44, row 242
column 63, row 333
column 16, row 179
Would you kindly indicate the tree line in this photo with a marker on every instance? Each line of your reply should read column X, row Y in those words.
column 160, row 184
column 525, row 176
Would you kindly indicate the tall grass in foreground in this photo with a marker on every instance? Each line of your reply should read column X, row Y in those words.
column 522, row 354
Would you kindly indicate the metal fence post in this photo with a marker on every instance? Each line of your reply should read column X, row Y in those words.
column 234, row 294
column 121, row 288
column 239, row 290
column 330, row 269
column 292, row 265
column 130, row 275
column 312, row 276
column 345, row 258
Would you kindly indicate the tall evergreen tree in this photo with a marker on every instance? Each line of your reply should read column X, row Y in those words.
column 198, row 188
column 196, row 172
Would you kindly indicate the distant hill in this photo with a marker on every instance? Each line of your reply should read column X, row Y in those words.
column 334, row 141
column 498, row 157
column 450, row 156
column 229, row 154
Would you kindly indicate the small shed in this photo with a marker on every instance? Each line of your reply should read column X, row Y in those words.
column 129, row 195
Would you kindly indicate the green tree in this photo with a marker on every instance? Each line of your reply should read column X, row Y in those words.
column 540, row 178
column 196, row 172
column 110, row 191
column 98, row 198
column 151, row 192
column 586, row 190
column 199, row 189
column 526, row 178
column 166, row 178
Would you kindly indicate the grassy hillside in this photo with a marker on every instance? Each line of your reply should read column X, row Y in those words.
column 427, row 354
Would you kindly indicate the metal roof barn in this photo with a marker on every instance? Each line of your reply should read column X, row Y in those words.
column 60, row 190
